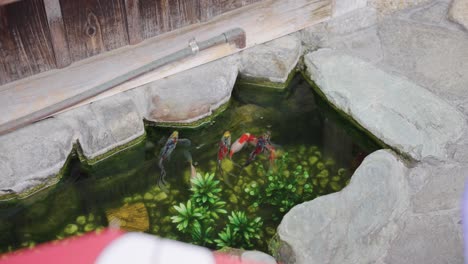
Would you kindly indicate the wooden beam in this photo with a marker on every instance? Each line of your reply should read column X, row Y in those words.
column 262, row 22
column 132, row 10
column 57, row 33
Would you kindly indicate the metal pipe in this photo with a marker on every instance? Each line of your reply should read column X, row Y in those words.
column 235, row 36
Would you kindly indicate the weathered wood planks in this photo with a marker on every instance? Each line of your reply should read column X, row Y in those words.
column 93, row 26
column 77, row 29
column 262, row 22
column 166, row 15
column 25, row 47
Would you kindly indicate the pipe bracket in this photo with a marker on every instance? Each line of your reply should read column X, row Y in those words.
column 194, row 46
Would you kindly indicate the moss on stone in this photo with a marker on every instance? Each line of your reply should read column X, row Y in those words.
column 253, row 82
column 92, row 161
column 195, row 124
column 51, row 181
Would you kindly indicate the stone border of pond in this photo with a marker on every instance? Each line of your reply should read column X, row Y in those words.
column 394, row 73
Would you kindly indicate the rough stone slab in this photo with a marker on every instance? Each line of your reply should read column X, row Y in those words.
column 33, row 155
column 257, row 257
column 105, row 124
column 139, row 96
column 336, row 27
column 427, row 239
column 342, row 7
column 434, row 57
column 386, row 7
column 355, row 225
column 191, row 95
column 272, row 61
column 437, row 186
column 355, row 32
column 399, row 112
column 459, row 12
column 434, row 13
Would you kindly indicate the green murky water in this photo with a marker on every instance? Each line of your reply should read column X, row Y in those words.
column 317, row 153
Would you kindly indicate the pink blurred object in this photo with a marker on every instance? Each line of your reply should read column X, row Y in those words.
column 112, row 246
column 73, row 250
column 227, row 259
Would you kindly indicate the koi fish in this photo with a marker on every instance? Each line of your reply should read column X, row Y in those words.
column 263, row 145
column 241, row 142
column 165, row 154
column 223, row 149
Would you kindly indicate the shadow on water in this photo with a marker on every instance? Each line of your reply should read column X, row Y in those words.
column 124, row 188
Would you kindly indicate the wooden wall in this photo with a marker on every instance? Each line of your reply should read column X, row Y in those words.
column 40, row 35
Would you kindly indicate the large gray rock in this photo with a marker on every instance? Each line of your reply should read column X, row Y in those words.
column 437, row 186
column 399, row 112
column 105, row 124
column 386, row 7
column 433, row 13
column 431, row 55
column 388, row 214
column 459, row 12
column 430, row 231
column 341, row 7
column 33, row 155
column 355, row 225
column 193, row 94
column 428, row 239
column 355, row 33
column 272, row 61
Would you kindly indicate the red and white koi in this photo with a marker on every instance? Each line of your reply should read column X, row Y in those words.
column 245, row 139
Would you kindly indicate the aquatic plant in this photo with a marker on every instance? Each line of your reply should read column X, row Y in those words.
column 205, row 194
column 197, row 217
column 82, row 224
column 282, row 189
column 200, row 217
column 187, row 215
column 240, row 231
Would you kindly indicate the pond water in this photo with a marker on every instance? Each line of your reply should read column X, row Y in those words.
column 316, row 154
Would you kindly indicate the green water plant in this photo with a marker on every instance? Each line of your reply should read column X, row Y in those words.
column 197, row 217
column 200, row 217
column 193, row 221
column 82, row 224
column 205, row 195
column 187, row 215
column 240, row 231
column 282, row 189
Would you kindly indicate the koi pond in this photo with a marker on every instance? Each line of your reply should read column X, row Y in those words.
column 316, row 152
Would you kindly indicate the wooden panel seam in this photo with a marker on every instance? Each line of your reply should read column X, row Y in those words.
column 132, row 11
column 57, row 33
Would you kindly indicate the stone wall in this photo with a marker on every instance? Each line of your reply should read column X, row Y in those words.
column 383, row 7
column 395, row 210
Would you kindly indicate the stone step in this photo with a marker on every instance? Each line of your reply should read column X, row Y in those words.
column 399, row 112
